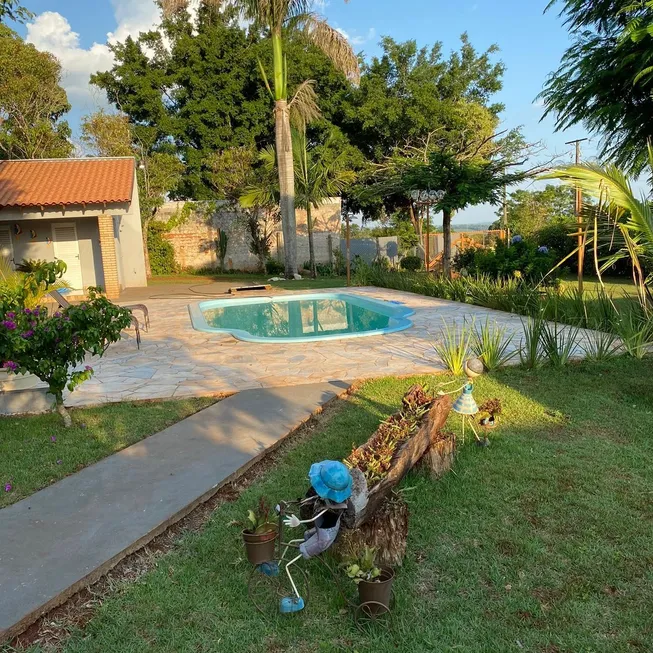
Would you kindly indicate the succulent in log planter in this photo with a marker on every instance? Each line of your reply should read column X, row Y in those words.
column 374, row 583
column 260, row 537
column 490, row 411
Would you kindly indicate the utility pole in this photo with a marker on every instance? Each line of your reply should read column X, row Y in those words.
column 579, row 218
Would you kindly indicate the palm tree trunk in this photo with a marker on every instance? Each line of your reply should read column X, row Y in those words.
column 311, row 245
column 446, row 231
column 286, row 186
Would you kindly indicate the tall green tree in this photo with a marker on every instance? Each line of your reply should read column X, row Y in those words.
column 321, row 172
column 408, row 92
column 529, row 211
column 463, row 175
column 277, row 17
column 32, row 102
column 158, row 172
column 602, row 81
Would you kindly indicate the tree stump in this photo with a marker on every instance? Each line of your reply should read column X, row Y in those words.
column 386, row 531
column 440, row 455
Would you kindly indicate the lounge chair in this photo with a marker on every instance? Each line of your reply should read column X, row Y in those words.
column 64, row 303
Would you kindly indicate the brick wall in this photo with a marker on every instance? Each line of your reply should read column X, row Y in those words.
column 109, row 258
column 194, row 245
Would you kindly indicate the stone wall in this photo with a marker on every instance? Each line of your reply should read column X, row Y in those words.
column 194, row 239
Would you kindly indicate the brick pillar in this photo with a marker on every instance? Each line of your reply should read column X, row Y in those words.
column 109, row 259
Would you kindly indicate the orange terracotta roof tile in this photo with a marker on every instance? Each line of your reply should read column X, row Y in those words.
column 63, row 182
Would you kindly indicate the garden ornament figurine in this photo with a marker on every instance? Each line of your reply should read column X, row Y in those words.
column 331, row 487
column 465, row 404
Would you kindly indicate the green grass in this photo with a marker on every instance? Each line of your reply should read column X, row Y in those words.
column 31, row 460
column 250, row 279
column 540, row 543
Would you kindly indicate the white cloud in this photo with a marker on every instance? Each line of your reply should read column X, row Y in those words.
column 357, row 39
column 50, row 31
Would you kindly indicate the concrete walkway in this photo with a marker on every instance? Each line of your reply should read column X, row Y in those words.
column 66, row 536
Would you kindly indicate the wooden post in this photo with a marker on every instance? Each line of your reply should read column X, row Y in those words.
column 578, row 207
column 428, row 237
column 348, row 249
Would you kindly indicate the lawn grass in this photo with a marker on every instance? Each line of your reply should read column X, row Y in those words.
column 252, row 279
column 36, row 450
column 541, row 542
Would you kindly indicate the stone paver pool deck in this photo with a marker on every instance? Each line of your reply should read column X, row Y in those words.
column 177, row 361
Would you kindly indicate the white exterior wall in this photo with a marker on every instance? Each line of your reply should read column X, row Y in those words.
column 131, row 257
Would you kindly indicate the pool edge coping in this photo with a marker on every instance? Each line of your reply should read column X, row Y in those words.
column 398, row 321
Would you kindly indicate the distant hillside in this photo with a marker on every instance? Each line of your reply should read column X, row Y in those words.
column 477, row 226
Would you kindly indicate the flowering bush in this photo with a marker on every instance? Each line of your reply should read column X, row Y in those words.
column 521, row 259
column 53, row 346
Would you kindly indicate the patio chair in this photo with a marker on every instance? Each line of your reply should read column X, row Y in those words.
column 64, row 303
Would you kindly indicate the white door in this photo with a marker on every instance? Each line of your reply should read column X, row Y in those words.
column 6, row 246
column 66, row 249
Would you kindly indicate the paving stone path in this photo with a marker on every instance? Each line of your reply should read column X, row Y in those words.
column 177, row 361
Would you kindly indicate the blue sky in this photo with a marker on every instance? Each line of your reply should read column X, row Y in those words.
column 531, row 43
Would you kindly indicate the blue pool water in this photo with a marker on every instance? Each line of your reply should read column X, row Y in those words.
column 300, row 318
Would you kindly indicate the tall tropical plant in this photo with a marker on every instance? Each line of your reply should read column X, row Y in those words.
column 276, row 18
column 619, row 222
column 317, row 177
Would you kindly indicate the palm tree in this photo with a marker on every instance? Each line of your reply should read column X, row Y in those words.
column 276, row 17
column 619, row 221
column 317, row 178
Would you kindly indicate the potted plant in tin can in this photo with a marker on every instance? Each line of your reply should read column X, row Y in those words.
column 374, row 583
column 260, row 535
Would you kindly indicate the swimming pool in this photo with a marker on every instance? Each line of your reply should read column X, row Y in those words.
column 300, row 318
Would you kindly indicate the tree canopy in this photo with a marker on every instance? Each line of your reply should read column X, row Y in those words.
column 408, row 92
column 32, row 102
column 602, row 81
column 13, row 10
column 531, row 210
column 202, row 93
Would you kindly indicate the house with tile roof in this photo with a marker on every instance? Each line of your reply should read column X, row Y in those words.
column 84, row 212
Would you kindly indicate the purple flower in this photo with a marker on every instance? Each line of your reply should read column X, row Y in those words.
column 9, row 325
column 57, row 314
column 27, row 335
column 53, row 438
column 543, row 249
column 88, row 368
column 32, row 324
column 8, row 487
column 11, row 315
column 10, row 365
column 516, row 239
column 36, row 311
column 66, row 319
column 27, row 311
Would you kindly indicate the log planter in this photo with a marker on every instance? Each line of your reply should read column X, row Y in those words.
column 382, row 520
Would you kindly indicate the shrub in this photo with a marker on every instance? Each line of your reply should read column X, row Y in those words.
column 411, row 263
column 161, row 252
column 274, row 267
column 52, row 347
column 521, row 258
column 491, row 344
